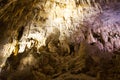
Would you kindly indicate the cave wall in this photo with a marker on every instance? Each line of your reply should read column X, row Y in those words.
column 58, row 26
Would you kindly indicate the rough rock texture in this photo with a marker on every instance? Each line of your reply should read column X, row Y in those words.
column 60, row 39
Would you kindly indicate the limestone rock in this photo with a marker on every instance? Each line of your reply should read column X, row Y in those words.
column 59, row 39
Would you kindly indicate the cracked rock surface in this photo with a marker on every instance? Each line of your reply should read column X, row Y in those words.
column 59, row 40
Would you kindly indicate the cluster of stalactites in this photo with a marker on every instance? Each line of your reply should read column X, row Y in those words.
column 90, row 2
column 95, row 3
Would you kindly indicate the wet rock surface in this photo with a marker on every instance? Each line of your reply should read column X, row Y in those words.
column 59, row 40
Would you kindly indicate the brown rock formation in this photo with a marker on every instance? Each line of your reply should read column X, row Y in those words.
column 59, row 40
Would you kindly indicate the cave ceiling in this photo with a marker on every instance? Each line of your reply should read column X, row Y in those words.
column 66, row 27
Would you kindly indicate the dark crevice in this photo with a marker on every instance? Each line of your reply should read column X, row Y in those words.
column 20, row 32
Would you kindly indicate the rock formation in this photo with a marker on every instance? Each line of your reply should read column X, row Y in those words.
column 59, row 39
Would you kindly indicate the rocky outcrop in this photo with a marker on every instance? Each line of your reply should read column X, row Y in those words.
column 87, row 63
column 59, row 40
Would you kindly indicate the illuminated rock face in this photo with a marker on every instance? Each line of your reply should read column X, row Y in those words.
column 64, row 19
column 48, row 30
